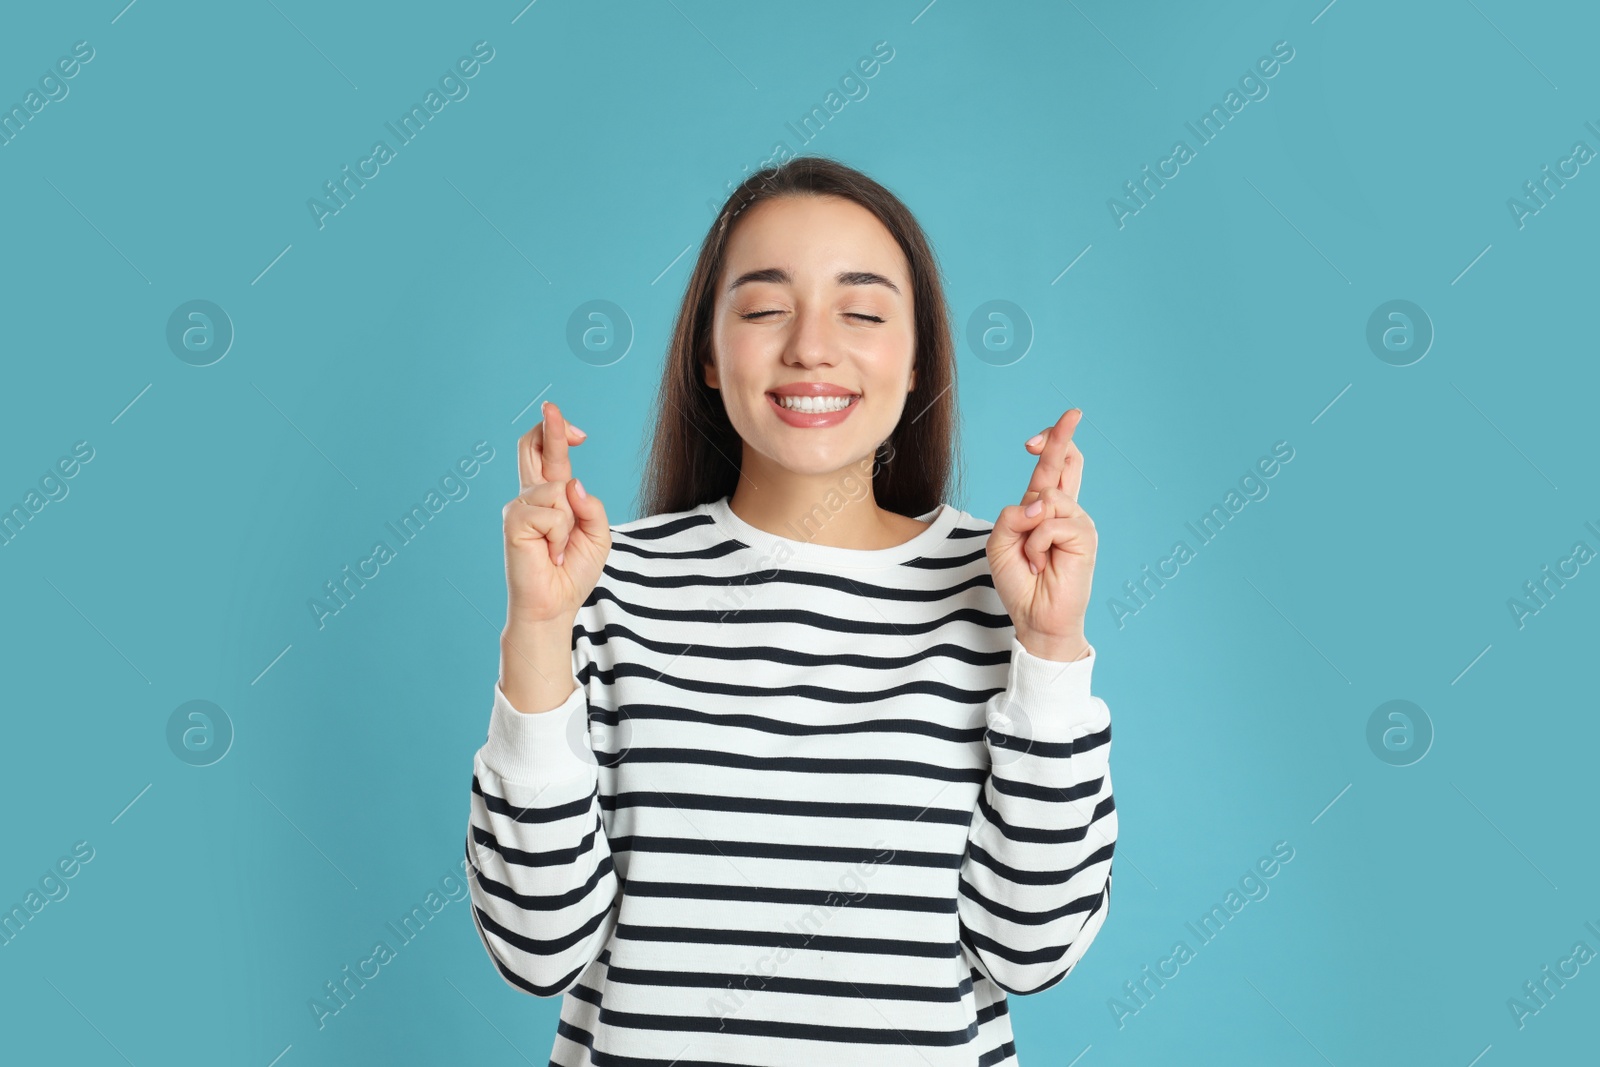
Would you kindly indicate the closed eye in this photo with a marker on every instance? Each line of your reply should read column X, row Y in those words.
column 774, row 311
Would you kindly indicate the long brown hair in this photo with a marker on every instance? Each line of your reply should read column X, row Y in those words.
column 695, row 453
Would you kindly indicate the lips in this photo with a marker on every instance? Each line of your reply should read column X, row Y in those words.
column 813, row 419
column 812, row 389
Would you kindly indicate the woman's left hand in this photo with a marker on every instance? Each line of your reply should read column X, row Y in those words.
column 1047, row 605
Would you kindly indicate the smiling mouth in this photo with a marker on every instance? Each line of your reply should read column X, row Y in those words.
column 815, row 405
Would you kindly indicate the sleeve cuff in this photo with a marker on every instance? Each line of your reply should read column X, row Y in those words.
column 541, row 747
column 1054, row 696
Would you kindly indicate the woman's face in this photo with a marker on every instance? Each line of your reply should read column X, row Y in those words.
column 814, row 290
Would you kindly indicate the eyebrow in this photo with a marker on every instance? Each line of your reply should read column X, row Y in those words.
column 781, row 277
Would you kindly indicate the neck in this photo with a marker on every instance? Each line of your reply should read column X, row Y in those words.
column 836, row 509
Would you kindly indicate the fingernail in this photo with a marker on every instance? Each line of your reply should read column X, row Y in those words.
column 579, row 487
column 581, row 432
column 1033, row 509
column 1037, row 438
column 559, row 558
column 1032, row 566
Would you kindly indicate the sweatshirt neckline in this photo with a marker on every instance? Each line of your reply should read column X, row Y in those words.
column 941, row 520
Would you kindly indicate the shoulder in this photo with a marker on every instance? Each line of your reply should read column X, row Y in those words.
column 962, row 550
column 662, row 524
column 969, row 525
column 967, row 532
column 665, row 535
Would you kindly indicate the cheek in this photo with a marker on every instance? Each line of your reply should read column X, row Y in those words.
column 738, row 364
column 888, row 357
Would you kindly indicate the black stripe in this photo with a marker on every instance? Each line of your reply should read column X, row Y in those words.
column 805, row 579
column 1011, row 787
column 502, row 806
column 541, row 946
column 717, row 551
column 928, row 686
column 873, row 946
column 554, row 902
column 1029, row 918
column 981, row 855
column 811, row 764
column 1041, row 836
column 988, row 619
column 555, row 857
column 1059, row 749
column 770, row 654
column 781, row 727
column 814, row 987
column 823, row 809
column 932, row 563
column 736, row 1024
column 801, row 897
column 655, row 531
column 783, row 850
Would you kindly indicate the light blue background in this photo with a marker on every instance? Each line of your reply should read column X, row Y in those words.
column 1225, row 316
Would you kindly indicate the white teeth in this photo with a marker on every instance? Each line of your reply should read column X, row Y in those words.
column 815, row 404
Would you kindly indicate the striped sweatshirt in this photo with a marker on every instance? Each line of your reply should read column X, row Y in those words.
column 807, row 806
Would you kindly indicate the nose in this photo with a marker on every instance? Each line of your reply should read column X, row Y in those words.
column 811, row 338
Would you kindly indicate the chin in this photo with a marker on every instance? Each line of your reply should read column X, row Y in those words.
column 828, row 461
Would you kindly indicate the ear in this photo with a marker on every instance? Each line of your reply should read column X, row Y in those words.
column 708, row 371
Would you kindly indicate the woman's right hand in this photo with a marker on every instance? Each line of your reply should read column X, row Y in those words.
column 557, row 535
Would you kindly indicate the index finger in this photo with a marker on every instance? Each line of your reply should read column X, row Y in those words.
column 1055, row 469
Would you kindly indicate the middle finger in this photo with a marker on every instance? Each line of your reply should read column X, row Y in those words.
column 1053, row 456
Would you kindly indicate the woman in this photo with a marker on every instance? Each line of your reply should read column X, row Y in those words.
column 738, row 802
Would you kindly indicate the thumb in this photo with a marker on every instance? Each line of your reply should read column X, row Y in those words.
column 588, row 511
column 1011, row 526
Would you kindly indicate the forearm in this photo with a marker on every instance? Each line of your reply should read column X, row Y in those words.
column 1035, row 882
column 536, row 664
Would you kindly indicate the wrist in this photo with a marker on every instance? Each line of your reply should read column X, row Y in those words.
column 518, row 631
column 1063, row 648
